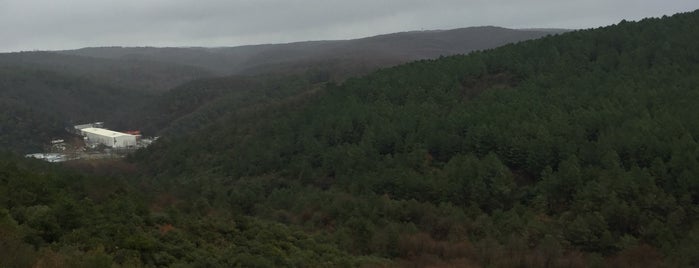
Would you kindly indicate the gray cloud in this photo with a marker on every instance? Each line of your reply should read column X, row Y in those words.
column 54, row 24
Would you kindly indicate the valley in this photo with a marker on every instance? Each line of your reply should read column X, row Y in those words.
column 473, row 147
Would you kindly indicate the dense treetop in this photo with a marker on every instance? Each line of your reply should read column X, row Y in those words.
column 588, row 135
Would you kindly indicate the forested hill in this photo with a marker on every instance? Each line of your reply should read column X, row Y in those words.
column 274, row 72
column 51, row 216
column 139, row 74
column 569, row 150
column 188, row 107
column 575, row 150
column 160, row 90
column 38, row 104
column 338, row 58
column 43, row 92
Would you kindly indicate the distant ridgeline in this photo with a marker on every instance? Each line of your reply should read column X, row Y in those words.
column 573, row 150
column 151, row 88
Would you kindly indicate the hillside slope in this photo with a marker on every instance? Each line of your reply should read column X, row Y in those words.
column 190, row 106
column 142, row 75
column 271, row 72
column 576, row 150
column 41, row 93
column 37, row 105
column 55, row 217
column 570, row 150
column 137, row 74
column 346, row 56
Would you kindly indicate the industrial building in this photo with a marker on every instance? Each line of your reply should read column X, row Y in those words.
column 109, row 138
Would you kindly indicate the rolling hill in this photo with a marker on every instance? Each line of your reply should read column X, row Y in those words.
column 571, row 150
column 41, row 93
column 151, row 85
column 37, row 105
column 574, row 150
column 282, row 70
column 137, row 74
column 340, row 57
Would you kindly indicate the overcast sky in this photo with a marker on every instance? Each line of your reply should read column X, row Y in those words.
column 63, row 24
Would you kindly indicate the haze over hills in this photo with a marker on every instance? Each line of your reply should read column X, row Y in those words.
column 351, row 55
column 137, row 74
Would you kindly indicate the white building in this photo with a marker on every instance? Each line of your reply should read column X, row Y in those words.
column 107, row 137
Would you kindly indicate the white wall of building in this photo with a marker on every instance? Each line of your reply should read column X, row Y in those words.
column 125, row 141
